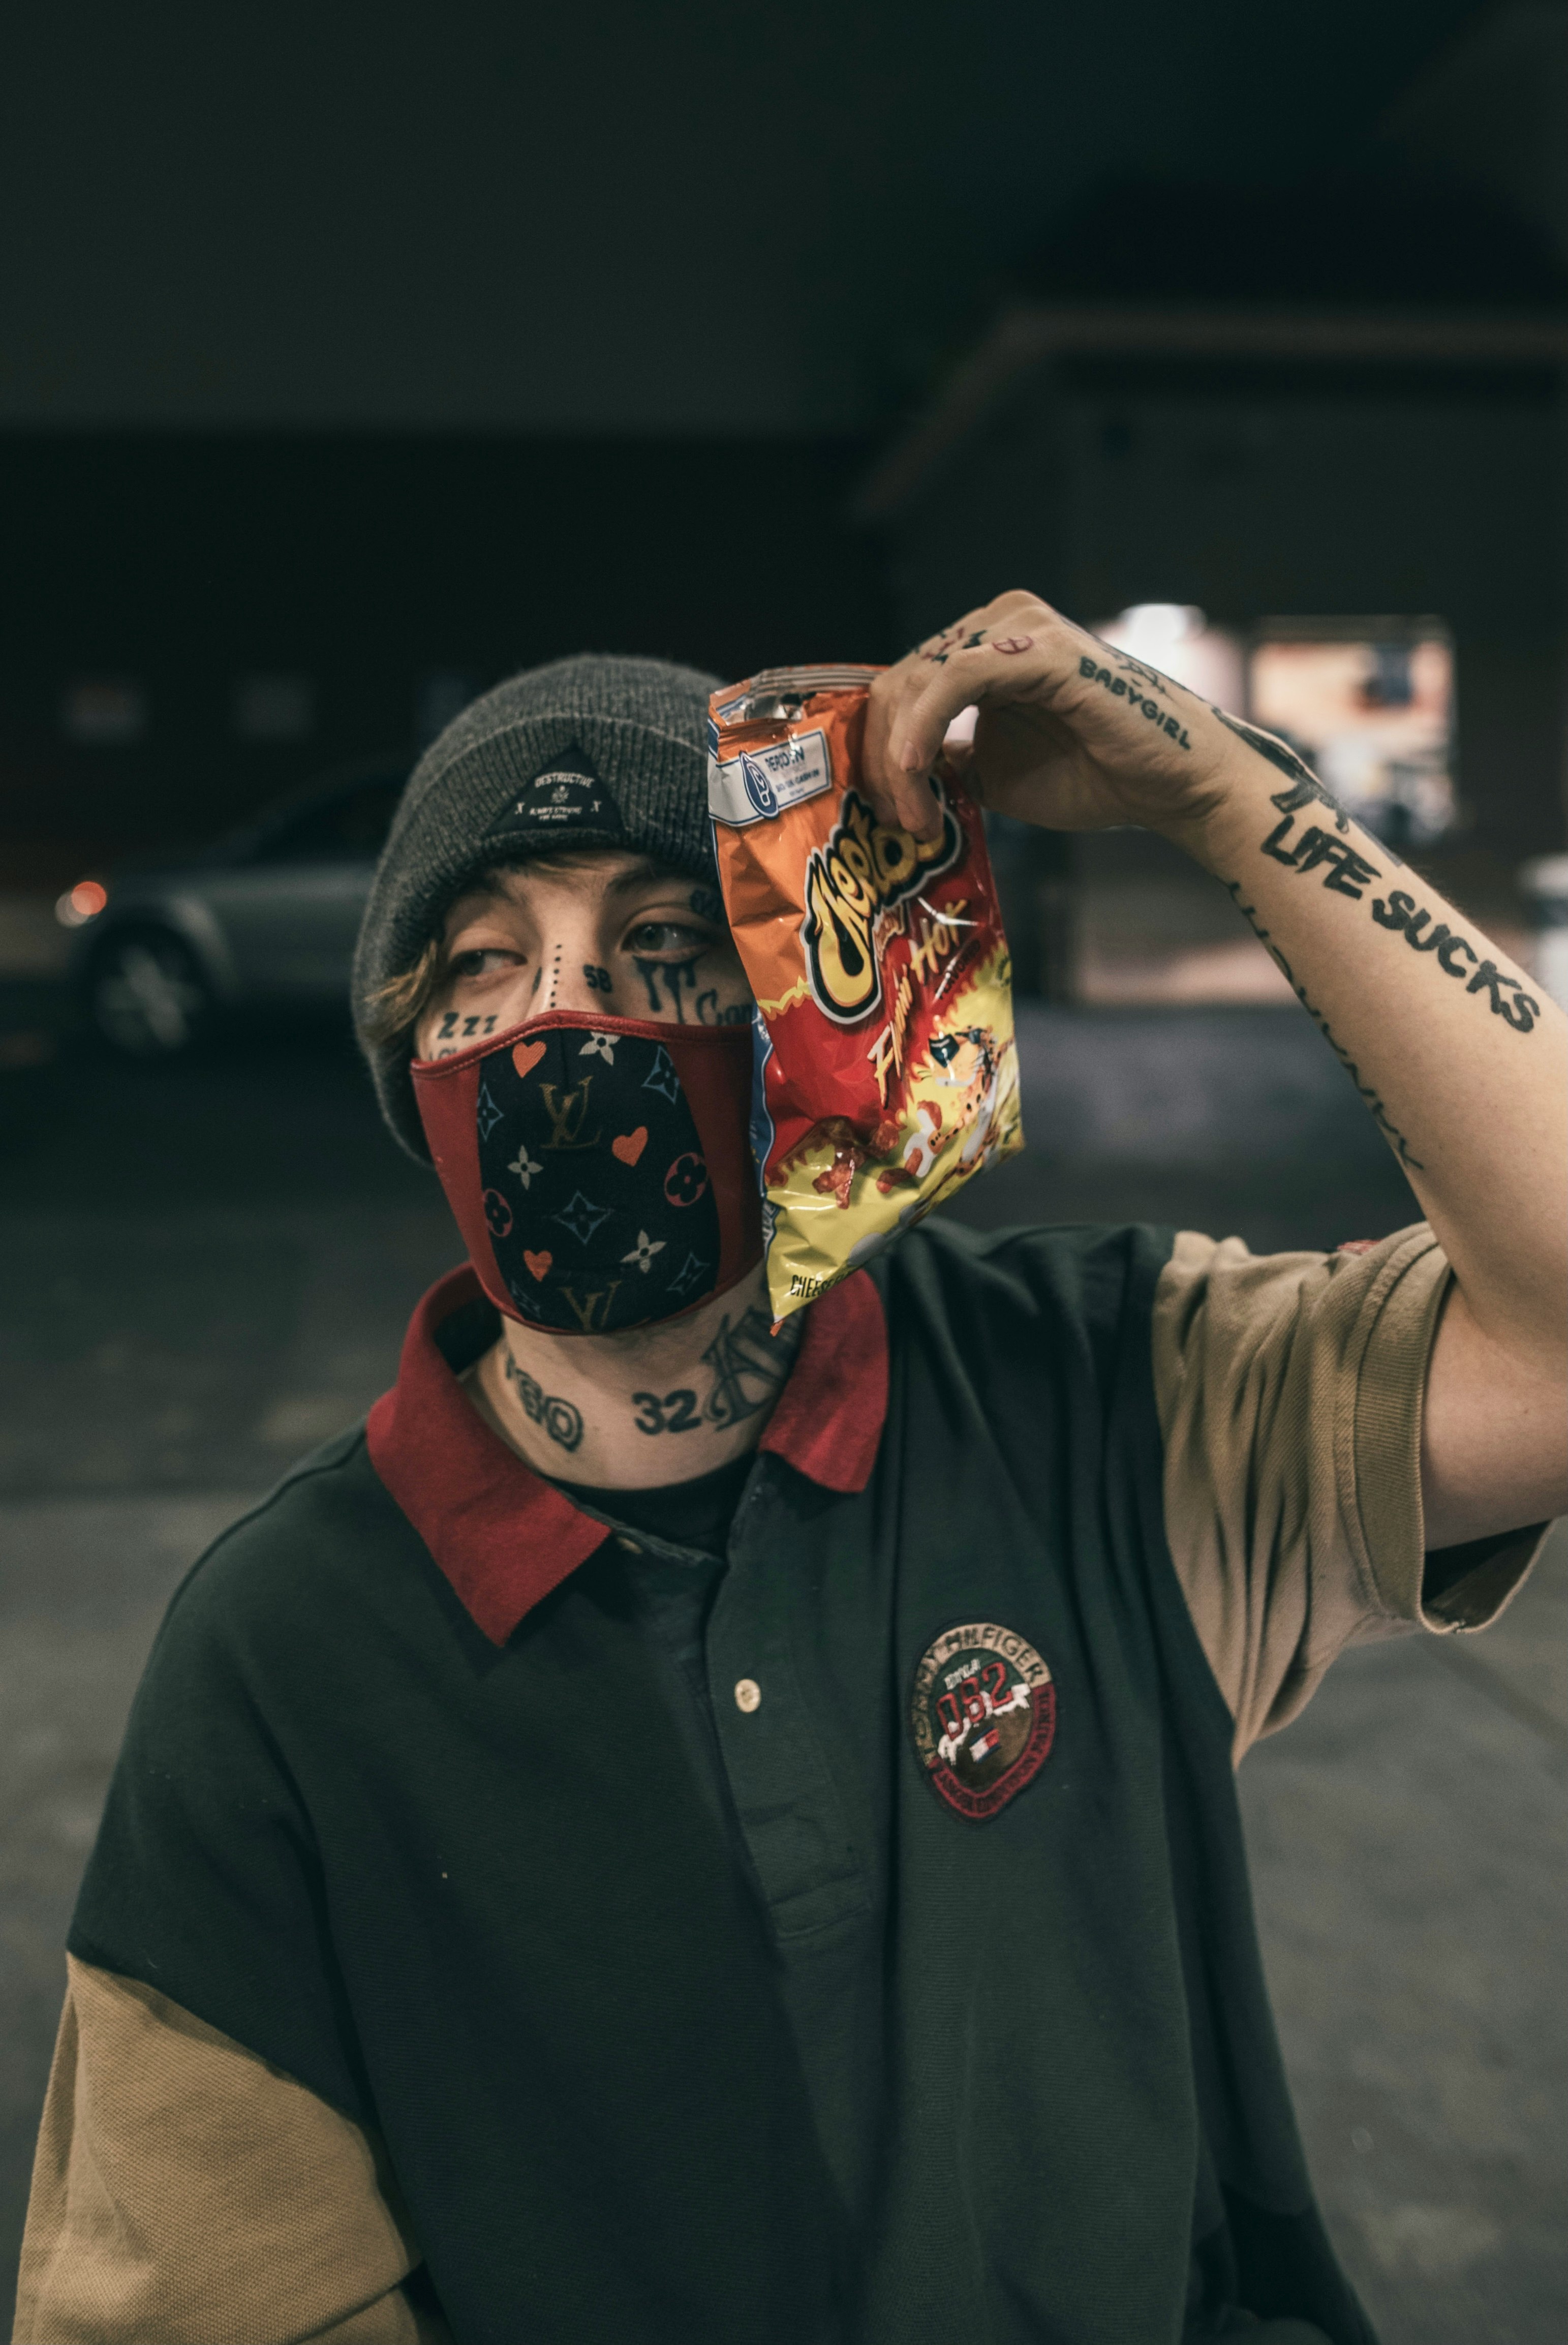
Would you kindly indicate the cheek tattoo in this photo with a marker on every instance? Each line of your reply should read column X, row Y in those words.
column 599, row 979
column 678, row 977
column 736, row 1013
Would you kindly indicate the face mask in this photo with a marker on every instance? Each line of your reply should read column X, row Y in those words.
column 599, row 1170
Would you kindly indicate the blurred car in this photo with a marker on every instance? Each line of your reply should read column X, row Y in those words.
column 263, row 921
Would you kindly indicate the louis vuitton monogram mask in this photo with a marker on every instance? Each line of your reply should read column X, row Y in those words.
column 599, row 1170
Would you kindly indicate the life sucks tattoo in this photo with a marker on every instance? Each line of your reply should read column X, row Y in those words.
column 1131, row 688
column 1457, row 957
column 746, row 1365
column 557, row 1417
column 1347, row 872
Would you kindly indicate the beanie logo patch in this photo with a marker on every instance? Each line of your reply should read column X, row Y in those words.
column 566, row 796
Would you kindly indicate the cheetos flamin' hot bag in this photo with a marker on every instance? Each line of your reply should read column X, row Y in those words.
column 885, row 1069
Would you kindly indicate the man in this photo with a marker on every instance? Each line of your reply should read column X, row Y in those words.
column 541, row 1896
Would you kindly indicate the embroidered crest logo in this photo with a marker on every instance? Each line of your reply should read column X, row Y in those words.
column 984, row 1714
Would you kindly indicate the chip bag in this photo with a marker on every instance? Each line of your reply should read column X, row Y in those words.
column 886, row 1072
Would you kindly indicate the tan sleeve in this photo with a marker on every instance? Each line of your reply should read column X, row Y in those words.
column 184, row 2192
column 1289, row 1392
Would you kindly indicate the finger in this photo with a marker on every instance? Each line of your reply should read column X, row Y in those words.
column 896, row 797
column 1006, row 667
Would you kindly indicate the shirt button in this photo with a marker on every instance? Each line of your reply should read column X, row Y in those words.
column 748, row 1694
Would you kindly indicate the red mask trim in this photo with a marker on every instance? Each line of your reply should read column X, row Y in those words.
column 504, row 1537
column 714, row 1067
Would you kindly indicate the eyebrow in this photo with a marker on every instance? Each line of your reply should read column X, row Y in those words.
column 647, row 873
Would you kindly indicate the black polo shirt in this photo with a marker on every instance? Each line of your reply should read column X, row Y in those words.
column 758, row 2015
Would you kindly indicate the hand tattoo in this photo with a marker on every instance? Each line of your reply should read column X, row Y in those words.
column 559, row 1420
column 1119, row 686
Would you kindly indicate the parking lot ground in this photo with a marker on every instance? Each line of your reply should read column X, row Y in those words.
column 209, row 1269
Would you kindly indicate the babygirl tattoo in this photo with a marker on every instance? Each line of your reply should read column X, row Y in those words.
column 1118, row 686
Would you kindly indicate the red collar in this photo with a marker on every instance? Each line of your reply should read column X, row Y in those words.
column 505, row 1537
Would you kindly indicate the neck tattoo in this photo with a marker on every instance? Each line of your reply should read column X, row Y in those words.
column 557, row 1417
column 746, row 1366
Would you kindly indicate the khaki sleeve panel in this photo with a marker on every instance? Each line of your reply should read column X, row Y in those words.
column 186, row 2192
column 1289, row 1392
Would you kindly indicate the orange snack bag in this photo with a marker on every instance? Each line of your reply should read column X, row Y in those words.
column 885, row 1069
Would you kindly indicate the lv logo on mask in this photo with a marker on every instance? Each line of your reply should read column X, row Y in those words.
column 568, row 1115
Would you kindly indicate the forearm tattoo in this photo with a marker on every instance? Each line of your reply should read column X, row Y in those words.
column 1347, row 872
column 1308, row 787
column 1457, row 957
column 559, row 1418
column 1379, row 1112
column 747, row 1365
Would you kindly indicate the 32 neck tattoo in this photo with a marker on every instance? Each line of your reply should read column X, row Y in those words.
column 747, row 1366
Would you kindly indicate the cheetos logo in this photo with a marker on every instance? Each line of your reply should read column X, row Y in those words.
column 865, row 868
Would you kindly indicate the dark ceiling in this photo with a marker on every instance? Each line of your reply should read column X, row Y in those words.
column 622, row 216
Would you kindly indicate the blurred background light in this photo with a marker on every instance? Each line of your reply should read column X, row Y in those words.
column 81, row 903
column 1177, row 639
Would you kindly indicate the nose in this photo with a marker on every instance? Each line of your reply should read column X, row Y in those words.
column 571, row 976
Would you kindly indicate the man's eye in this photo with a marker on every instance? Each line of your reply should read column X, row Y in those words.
column 654, row 937
column 483, row 961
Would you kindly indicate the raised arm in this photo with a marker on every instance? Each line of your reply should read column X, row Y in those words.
column 1462, row 1065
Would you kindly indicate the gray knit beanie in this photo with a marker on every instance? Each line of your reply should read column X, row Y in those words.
column 587, row 752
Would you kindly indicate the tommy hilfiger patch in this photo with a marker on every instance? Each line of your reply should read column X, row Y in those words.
column 984, row 1714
